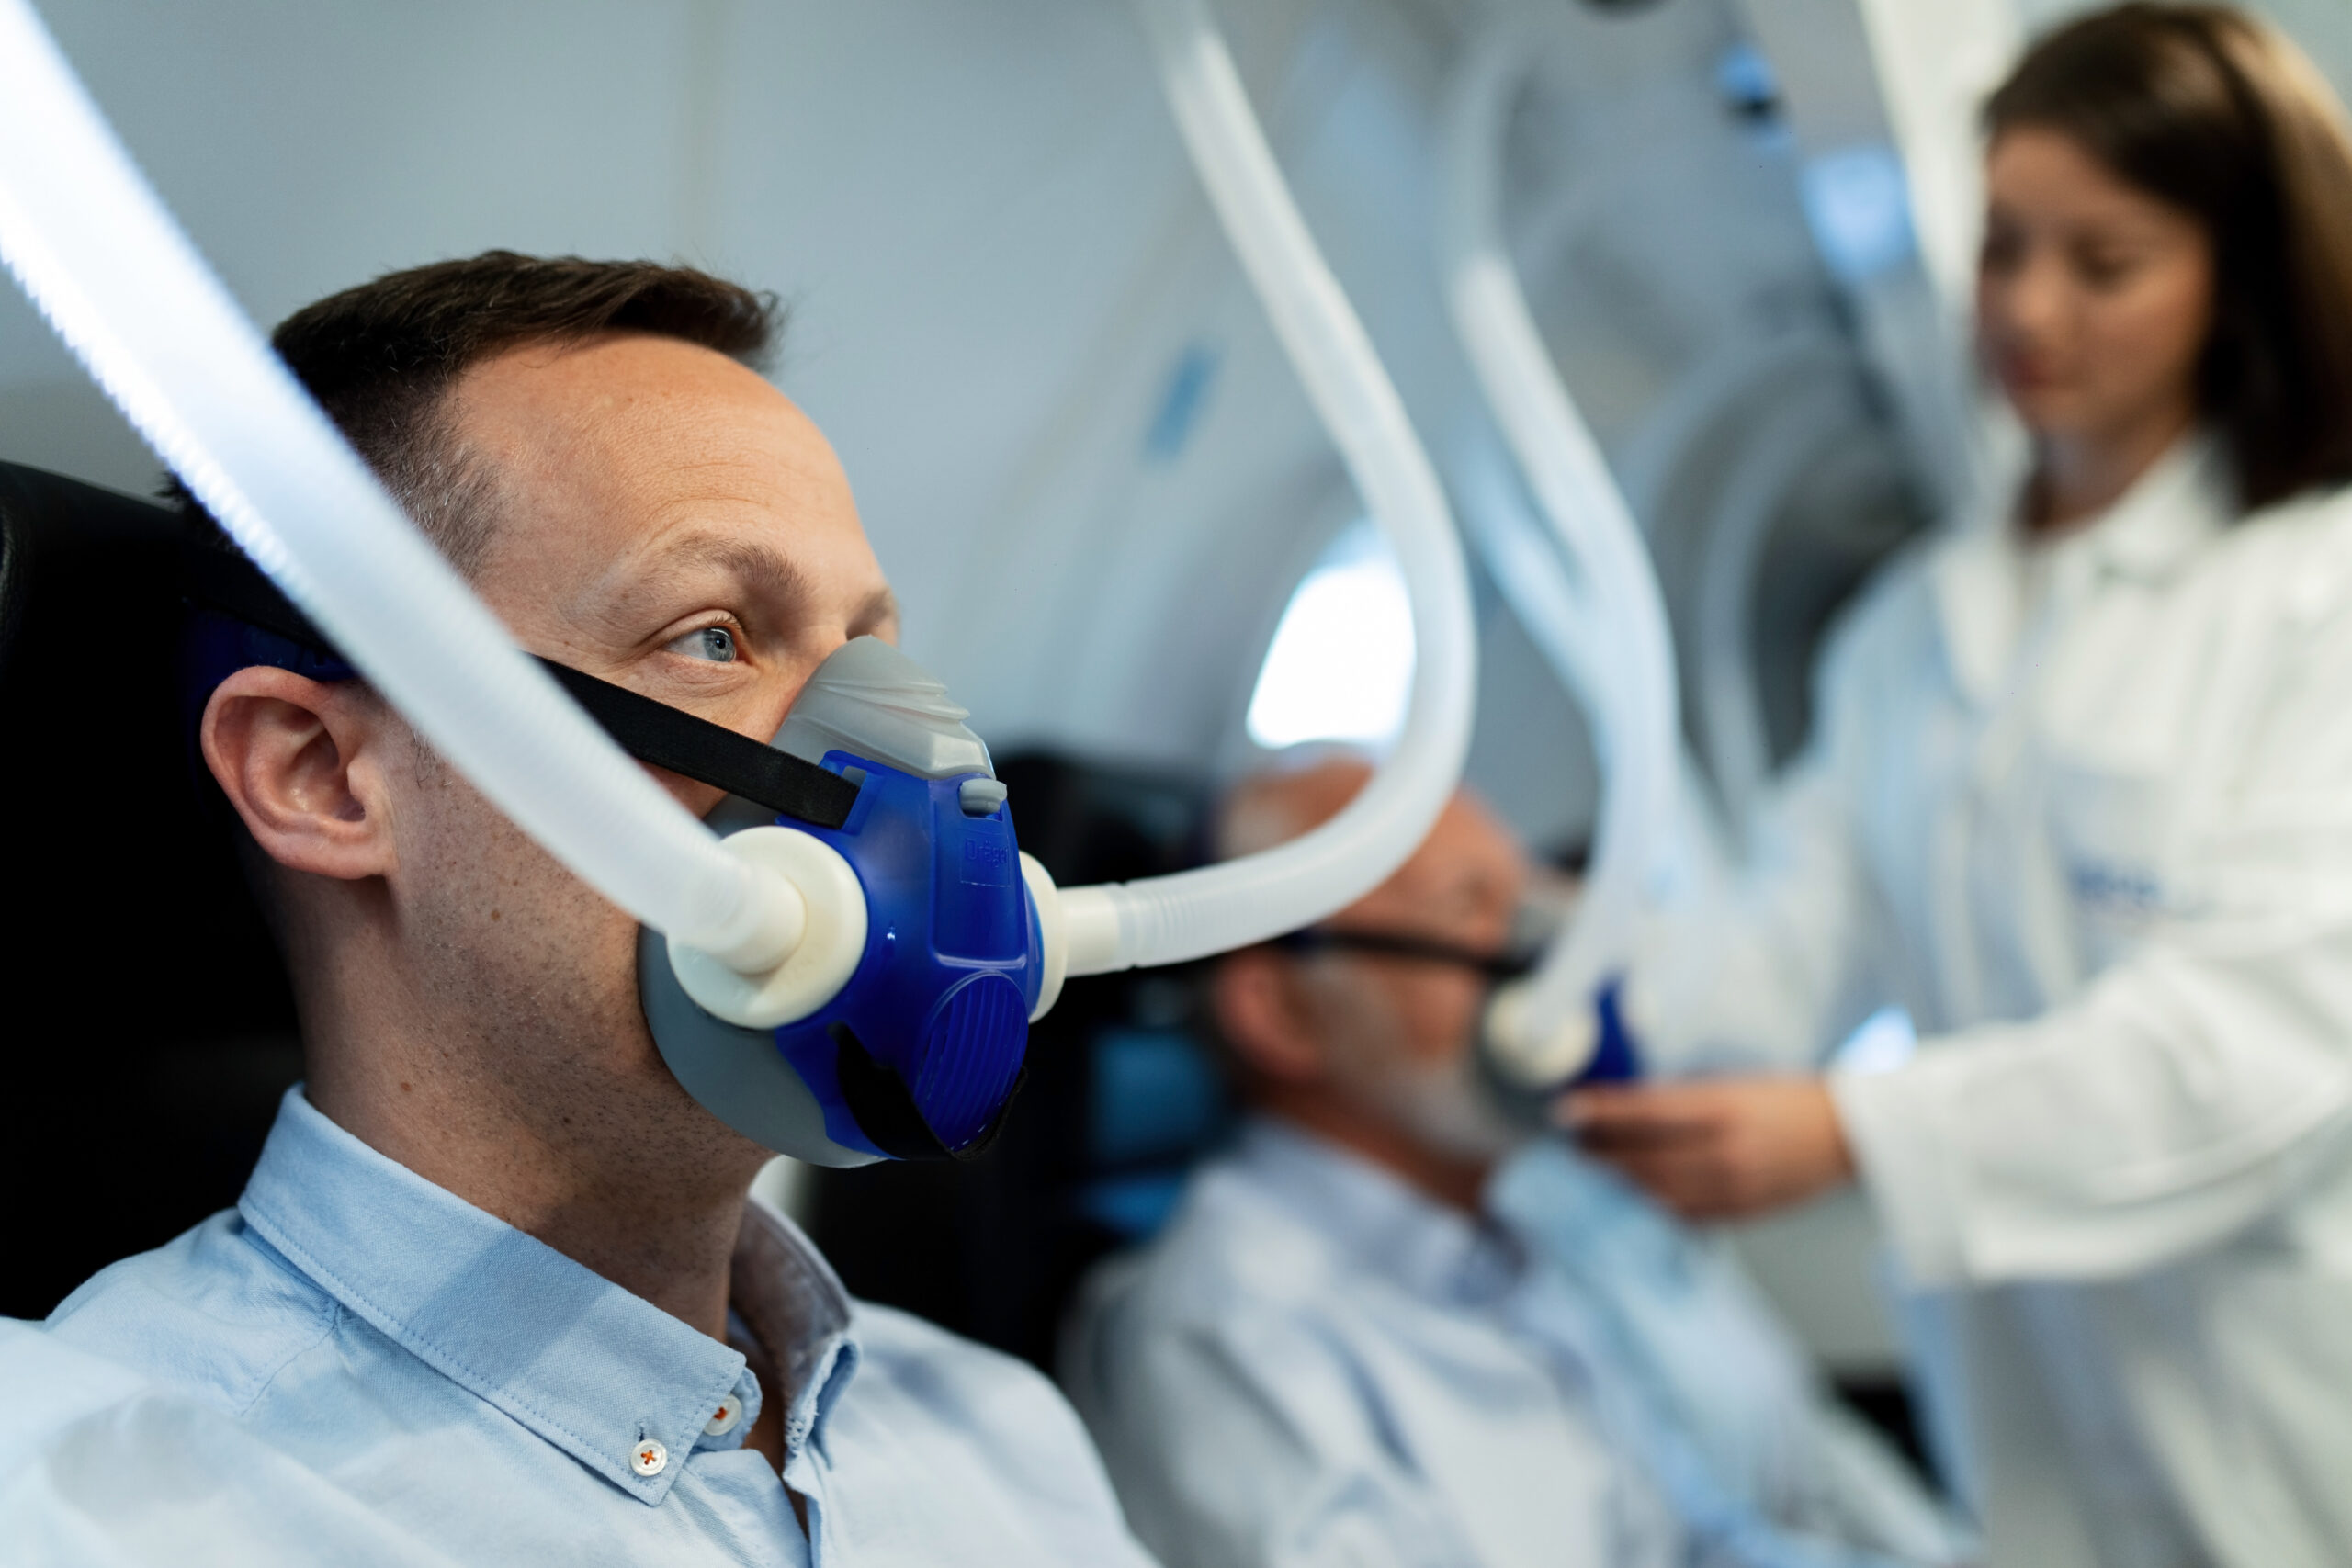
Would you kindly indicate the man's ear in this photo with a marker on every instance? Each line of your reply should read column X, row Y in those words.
column 301, row 763
column 1264, row 1016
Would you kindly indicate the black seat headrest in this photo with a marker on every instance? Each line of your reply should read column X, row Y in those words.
column 107, row 815
column 147, row 1014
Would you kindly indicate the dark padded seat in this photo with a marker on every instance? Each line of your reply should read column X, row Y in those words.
column 148, row 1025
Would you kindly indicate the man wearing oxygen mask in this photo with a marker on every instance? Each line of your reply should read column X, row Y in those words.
column 1390, row 1327
column 494, row 1292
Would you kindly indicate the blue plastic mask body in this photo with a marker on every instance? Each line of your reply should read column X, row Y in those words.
column 952, row 969
column 919, row 1053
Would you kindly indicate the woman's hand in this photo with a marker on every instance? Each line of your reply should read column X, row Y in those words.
column 1716, row 1149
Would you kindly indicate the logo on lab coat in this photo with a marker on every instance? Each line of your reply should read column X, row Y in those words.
column 2107, row 887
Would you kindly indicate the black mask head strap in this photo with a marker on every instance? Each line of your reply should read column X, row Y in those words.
column 711, row 754
column 650, row 731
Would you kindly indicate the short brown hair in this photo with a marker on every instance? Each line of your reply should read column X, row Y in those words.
column 2219, row 116
column 382, row 357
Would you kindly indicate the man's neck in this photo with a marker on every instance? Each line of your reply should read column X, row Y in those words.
column 1457, row 1183
column 608, row 1162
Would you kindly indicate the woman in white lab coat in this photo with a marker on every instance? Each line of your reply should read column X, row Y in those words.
column 2080, row 798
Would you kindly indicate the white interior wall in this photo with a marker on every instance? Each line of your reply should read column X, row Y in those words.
column 992, row 246
column 956, row 199
column 996, row 258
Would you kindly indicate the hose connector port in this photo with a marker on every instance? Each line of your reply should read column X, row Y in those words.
column 1533, row 1058
column 807, row 934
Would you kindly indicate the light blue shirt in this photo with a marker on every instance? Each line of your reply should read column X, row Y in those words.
column 358, row 1352
column 1318, row 1364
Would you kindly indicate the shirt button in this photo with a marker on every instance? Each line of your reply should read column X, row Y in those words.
column 648, row 1458
column 722, row 1421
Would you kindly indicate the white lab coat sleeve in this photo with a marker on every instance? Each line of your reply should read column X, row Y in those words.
column 2201, row 1081
column 1771, row 965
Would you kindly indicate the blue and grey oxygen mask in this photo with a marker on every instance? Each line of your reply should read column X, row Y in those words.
column 919, row 1051
column 899, row 1026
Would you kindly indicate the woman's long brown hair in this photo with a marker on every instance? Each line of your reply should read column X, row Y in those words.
column 2219, row 116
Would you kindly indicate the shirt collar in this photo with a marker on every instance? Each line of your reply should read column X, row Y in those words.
column 794, row 1306
column 1378, row 1219
column 2183, row 501
column 589, row 1367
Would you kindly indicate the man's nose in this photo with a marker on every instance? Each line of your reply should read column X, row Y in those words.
column 777, row 697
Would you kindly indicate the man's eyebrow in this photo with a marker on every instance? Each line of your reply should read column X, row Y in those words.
column 766, row 574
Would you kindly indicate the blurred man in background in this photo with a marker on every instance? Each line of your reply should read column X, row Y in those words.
column 1388, row 1327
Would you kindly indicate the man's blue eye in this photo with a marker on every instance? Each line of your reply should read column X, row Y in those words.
column 716, row 644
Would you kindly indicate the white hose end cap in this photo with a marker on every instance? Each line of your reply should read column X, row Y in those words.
column 1533, row 1059
column 1053, row 934
column 815, row 966
column 1090, row 928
